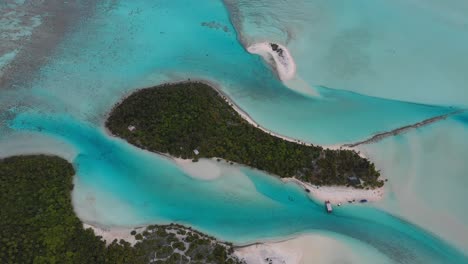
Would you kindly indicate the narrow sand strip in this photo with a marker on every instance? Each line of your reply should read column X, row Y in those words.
column 339, row 194
column 404, row 129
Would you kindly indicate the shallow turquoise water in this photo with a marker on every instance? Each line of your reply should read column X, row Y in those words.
column 126, row 45
column 242, row 209
column 427, row 177
column 408, row 50
column 136, row 44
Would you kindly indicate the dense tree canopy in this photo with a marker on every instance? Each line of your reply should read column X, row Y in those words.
column 183, row 117
column 38, row 224
column 37, row 219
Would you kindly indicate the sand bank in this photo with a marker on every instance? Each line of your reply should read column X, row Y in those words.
column 278, row 56
column 304, row 249
column 203, row 169
column 339, row 194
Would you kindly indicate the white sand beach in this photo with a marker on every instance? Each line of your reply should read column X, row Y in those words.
column 305, row 249
column 251, row 121
column 111, row 233
column 203, row 169
column 339, row 194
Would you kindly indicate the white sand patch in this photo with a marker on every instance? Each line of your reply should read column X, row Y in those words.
column 109, row 234
column 204, row 169
column 278, row 56
column 339, row 194
column 26, row 143
column 308, row 248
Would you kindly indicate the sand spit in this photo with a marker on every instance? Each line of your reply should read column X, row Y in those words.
column 403, row 129
column 277, row 56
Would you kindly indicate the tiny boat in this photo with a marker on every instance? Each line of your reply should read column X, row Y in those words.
column 363, row 201
column 328, row 207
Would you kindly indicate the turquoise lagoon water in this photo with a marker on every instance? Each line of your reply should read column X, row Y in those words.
column 126, row 45
column 408, row 50
column 243, row 208
column 427, row 172
column 132, row 44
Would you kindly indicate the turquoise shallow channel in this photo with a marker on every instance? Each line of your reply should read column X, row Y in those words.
column 244, row 208
column 124, row 45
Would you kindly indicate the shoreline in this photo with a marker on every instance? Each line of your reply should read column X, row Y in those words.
column 251, row 121
column 336, row 194
column 313, row 247
column 339, row 194
column 235, row 107
column 110, row 234
column 277, row 56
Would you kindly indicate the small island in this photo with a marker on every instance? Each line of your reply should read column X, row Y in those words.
column 193, row 120
column 38, row 224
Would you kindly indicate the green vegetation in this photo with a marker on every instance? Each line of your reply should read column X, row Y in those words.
column 38, row 225
column 178, row 243
column 183, row 117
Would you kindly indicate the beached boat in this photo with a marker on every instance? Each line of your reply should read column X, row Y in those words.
column 328, row 207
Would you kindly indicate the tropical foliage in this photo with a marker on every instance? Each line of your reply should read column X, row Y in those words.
column 180, row 118
column 38, row 225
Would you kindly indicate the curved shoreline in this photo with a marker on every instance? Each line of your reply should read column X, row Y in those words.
column 335, row 194
column 234, row 105
column 277, row 56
